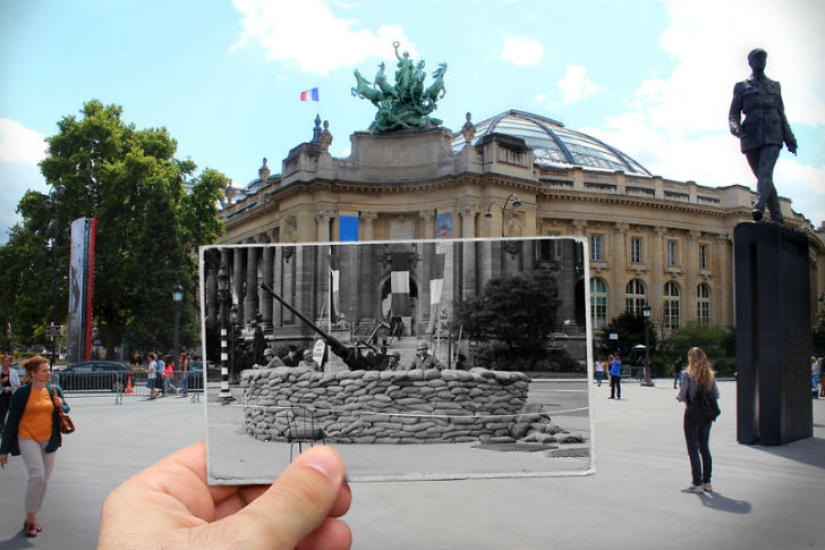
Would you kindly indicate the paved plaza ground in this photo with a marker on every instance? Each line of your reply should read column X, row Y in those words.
column 765, row 497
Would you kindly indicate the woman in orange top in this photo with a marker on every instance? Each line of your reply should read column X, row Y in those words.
column 33, row 431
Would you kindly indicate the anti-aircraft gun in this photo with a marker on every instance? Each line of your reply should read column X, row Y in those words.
column 349, row 355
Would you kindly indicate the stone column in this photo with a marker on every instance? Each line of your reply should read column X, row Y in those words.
column 691, row 263
column 226, row 265
column 468, row 214
column 211, row 261
column 238, row 281
column 656, row 267
column 721, row 305
column 428, row 220
column 368, row 220
column 618, row 278
column 322, row 220
column 251, row 284
column 268, row 257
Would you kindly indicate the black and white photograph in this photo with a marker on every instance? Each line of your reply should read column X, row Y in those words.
column 416, row 360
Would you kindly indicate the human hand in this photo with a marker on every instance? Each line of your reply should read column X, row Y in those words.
column 792, row 147
column 178, row 509
column 4, row 459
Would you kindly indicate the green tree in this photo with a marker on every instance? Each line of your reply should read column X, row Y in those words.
column 148, row 227
column 716, row 342
column 519, row 312
column 630, row 329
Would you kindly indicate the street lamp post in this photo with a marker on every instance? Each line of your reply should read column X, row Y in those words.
column 516, row 203
column 225, row 395
column 177, row 297
column 54, row 200
column 646, row 315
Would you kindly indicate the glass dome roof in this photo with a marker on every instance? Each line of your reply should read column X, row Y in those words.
column 554, row 145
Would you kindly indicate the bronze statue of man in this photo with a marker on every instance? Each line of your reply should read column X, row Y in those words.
column 763, row 131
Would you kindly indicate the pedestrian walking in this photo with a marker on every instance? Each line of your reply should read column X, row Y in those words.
column 168, row 370
column 816, row 373
column 184, row 374
column 9, row 381
column 599, row 371
column 160, row 367
column 698, row 378
column 33, row 432
column 677, row 372
column 151, row 375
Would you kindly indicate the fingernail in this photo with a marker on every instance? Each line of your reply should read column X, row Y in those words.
column 322, row 459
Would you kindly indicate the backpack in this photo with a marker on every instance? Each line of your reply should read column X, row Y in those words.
column 704, row 406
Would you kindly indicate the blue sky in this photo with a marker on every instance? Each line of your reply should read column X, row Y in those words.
column 651, row 78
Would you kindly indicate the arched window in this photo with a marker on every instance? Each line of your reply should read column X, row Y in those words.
column 703, row 304
column 598, row 303
column 671, row 305
column 635, row 297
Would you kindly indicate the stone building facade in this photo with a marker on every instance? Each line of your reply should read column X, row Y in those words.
column 652, row 240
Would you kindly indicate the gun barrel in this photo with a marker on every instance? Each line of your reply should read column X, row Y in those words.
column 300, row 315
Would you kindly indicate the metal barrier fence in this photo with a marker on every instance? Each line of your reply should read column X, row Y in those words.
column 120, row 384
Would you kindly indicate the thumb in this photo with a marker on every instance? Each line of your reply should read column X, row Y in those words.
column 296, row 504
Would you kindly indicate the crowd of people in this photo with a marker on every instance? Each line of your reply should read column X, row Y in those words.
column 161, row 373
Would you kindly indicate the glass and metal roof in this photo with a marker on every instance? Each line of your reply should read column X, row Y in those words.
column 554, row 145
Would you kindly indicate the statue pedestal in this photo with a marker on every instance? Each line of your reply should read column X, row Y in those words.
column 773, row 334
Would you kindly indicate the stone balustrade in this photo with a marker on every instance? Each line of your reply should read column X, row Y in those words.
column 383, row 407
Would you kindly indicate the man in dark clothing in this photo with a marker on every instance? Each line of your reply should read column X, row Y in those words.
column 677, row 372
column 291, row 359
column 763, row 131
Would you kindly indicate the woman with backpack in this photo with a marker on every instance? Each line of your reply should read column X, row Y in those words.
column 699, row 392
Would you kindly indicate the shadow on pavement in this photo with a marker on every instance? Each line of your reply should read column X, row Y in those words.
column 724, row 504
column 810, row 451
column 17, row 542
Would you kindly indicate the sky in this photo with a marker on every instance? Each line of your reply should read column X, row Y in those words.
column 652, row 78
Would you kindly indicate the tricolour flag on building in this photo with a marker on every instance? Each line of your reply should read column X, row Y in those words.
column 400, row 284
column 310, row 95
column 436, row 278
column 335, row 286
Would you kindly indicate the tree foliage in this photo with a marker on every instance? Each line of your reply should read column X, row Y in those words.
column 518, row 311
column 717, row 342
column 630, row 330
column 148, row 229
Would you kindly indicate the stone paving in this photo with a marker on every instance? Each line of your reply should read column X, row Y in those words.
column 765, row 497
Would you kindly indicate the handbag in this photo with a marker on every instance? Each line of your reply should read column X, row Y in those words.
column 66, row 423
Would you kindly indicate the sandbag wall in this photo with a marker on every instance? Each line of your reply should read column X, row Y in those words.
column 383, row 407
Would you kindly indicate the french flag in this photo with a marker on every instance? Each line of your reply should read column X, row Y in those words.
column 310, row 95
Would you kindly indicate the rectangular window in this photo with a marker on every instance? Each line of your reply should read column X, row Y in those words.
column 636, row 250
column 598, row 311
column 703, row 256
column 672, row 253
column 671, row 314
column 596, row 248
column 704, row 312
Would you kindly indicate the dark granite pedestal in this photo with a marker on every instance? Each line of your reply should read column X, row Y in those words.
column 773, row 334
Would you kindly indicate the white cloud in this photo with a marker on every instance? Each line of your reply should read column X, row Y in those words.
column 21, row 149
column 575, row 86
column 522, row 51
column 18, row 143
column 676, row 124
column 281, row 28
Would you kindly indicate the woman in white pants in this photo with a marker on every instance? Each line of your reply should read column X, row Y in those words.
column 33, row 432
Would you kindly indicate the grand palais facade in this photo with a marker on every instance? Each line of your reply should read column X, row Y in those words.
column 651, row 240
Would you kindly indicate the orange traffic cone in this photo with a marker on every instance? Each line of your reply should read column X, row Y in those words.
column 129, row 389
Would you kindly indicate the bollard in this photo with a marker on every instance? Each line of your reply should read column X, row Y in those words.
column 225, row 396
